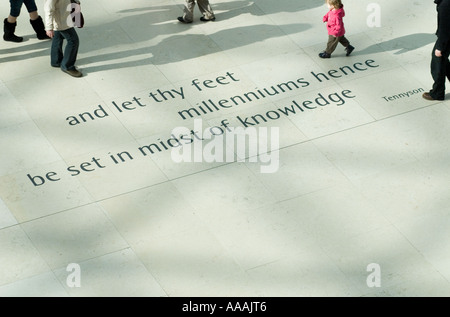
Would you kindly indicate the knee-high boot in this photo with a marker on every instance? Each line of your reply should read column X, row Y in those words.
column 9, row 29
column 39, row 28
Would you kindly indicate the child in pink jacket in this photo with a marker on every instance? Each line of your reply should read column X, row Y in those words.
column 335, row 27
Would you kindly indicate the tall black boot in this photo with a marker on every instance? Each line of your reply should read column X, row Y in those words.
column 9, row 29
column 39, row 28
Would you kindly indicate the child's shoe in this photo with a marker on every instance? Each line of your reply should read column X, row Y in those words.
column 324, row 55
column 206, row 19
column 349, row 49
column 182, row 20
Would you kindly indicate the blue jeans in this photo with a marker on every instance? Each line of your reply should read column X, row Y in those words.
column 16, row 5
column 66, row 60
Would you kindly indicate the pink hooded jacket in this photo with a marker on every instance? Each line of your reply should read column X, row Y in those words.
column 335, row 23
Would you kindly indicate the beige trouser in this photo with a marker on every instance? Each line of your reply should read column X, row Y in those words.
column 333, row 41
column 204, row 7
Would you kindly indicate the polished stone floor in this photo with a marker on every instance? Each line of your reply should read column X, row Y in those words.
column 124, row 182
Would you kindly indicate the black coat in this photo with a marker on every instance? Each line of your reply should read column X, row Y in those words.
column 443, row 31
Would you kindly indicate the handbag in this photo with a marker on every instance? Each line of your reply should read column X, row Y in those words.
column 77, row 15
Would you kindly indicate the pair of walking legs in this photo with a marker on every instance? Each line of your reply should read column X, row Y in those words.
column 440, row 71
column 332, row 43
column 204, row 7
column 65, row 59
column 10, row 23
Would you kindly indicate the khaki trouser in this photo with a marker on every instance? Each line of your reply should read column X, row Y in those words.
column 333, row 42
column 204, row 7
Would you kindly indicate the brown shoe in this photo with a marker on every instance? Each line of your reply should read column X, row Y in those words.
column 427, row 96
column 73, row 72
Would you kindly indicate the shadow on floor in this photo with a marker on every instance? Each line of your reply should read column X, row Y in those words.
column 401, row 45
column 178, row 48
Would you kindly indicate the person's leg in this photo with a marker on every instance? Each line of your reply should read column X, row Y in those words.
column 438, row 72
column 447, row 70
column 56, row 52
column 346, row 43
column 15, row 8
column 12, row 19
column 10, row 23
column 35, row 20
column 39, row 28
column 71, row 49
column 34, row 15
column 343, row 40
column 31, row 8
column 332, row 44
column 188, row 11
column 206, row 10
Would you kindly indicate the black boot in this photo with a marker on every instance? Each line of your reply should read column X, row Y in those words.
column 39, row 28
column 9, row 29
